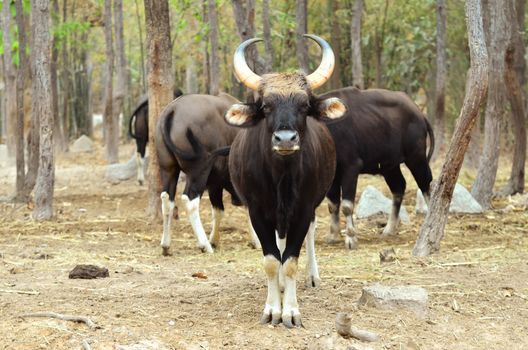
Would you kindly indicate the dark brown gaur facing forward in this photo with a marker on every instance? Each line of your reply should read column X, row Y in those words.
column 281, row 165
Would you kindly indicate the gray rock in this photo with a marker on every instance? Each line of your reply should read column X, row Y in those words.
column 144, row 345
column 3, row 155
column 407, row 297
column 123, row 171
column 82, row 144
column 461, row 203
column 373, row 202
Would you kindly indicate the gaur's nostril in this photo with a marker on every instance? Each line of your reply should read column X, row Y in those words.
column 277, row 137
column 295, row 137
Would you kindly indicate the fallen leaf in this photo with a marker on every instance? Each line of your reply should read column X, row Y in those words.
column 201, row 275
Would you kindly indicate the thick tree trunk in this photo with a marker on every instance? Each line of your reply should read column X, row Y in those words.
column 42, row 106
column 266, row 29
column 20, row 85
column 432, row 230
column 121, row 66
column 513, row 75
column 300, row 29
column 110, row 122
column 483, row 187
column 10, row 83
column 441, row 72
column 355, row 35
column 160, row 87
column 244, row 13
column 335, row 41
column 214, row 89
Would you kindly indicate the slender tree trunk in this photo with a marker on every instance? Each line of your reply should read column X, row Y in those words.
column 335, row 41
column 20, row 85
column 244, row 13
column 42, row 106
column 206, row 59
column 160, row 87
column 483, row 187
column 191, row 83
column 10, row 83
column 58, row 130
column 64, row 78
column 300, row 29
column 441, row 72
column 513, row 75
column 378, row 43
column 432, row 230
column 121, row 66
column 355, row 34
column 214, row 89
column 141, row 48
column 266, row 28
column 110, row 122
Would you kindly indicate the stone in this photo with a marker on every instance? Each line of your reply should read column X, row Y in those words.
column 82, row 144
column 373, row 202
column 88, row 272
column 144, row 345
column 461, row 203
column 411, row 298
column 124, row 171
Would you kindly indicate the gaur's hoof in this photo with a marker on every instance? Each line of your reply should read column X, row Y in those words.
column 332, row 239
column 255, row 245
column 165, row 251
column 275, row 318
column 312, row 281
column 206, row 248
column 291, row 319
column 387, row 232
column 351, row 242
column 140, row 182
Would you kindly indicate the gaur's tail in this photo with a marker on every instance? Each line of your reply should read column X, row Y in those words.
column 197, row 149
column 133, row 119
column 431, row 139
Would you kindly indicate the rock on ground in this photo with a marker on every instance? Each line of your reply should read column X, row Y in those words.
column 384, row 297
column 373, row 202
column 124, row 171
column 461, row 203
column 82, row 144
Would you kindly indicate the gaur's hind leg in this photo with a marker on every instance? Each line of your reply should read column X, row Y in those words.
column 312, row 271
column 194, row 188
column 235, row 200
column 422, row 175
column 169, row 181
column 334, row 199
column 396, row 182
column 217, row 206
column 140, row 160
column 349, row 186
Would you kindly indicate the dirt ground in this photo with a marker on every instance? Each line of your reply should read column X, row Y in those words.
column 477, row 285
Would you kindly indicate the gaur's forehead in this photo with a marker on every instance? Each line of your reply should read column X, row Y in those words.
column 285, row 85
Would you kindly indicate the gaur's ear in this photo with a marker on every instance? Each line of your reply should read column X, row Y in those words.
column 242, row 115
column 331, row 108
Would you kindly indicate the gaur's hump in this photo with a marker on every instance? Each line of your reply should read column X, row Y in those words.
column 284, row 84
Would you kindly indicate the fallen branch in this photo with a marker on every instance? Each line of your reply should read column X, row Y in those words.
column 73, row 318
column 345, row 329
column 29, row 292
column 86, row 345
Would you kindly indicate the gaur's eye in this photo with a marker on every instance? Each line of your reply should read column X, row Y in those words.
column 266, row 108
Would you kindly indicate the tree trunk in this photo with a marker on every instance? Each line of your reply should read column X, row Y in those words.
column 513, row 75
column 335, row 41
column 378, row 43
column 355, row 35
column 205, row 42
column 110, row 122
column 10, row 84
column 160, row 87
column 141, row 49
column 121, row 66
column 191, row 83
column 42, row 106
column 432, row 230
column 214, row 89
column 300, row 29
column 441, row 72
column 20, row 85
column 483, row 187
column 266, row 29
column 58, row 129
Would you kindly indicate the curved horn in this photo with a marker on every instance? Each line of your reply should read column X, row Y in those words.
column 325, row 69
column 242, row 70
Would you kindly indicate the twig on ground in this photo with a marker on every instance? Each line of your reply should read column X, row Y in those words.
column 345, row 329
column 73, row 318
column 29, row 292
column 86, row 345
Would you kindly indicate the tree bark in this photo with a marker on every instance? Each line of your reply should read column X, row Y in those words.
column 42, row 106
column 214, row 89
column 141, row 48
column 513, row 75
column 300, row 29
column 121, row 66
column 335, row 41
column 378, row 43
column 355, row 35
column 266, row 29
column 441, row 72
column 110, row 122
column 61, row 143
column 160, row 87
column 432, row 230
column 20, row 85
column 483, row 187
column 10, row 84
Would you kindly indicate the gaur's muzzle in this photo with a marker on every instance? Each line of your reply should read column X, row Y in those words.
column 285, row 142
